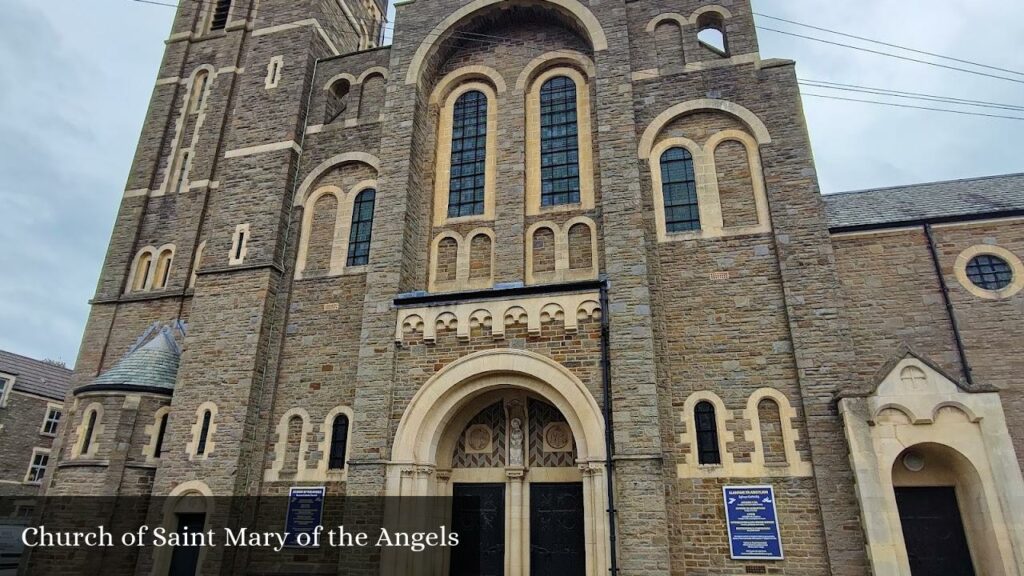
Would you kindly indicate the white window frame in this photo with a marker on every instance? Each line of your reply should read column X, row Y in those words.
column 32, row 464
column 50, row 408
column 10, row 378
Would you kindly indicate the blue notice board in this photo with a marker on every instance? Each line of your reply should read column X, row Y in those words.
column 305, row 512
column 753, row 524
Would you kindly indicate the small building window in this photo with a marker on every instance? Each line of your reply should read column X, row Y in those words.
column 5, row 384
column 159, row 448
column 679, row 189
column 707, row 434
column 204, row 433
column 52, row 420
column 90, row 429
column 219, row 19
column 559, row 143
column 362, row 228
column 339, row 442
column 469, row 155
column 989, row 272
column 37, row 468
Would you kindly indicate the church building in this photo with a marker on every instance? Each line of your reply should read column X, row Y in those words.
column 565, row 262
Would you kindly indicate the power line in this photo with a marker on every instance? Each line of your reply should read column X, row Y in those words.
column 890, row 45
column 891, row 55
column 908, row 95
column 963, row 112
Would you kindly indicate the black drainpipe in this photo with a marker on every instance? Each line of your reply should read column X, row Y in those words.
column 609, row 438
column 949, row 304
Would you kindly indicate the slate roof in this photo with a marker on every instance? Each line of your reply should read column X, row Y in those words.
column 153, row 366
column 35, row 376
column 931, row 201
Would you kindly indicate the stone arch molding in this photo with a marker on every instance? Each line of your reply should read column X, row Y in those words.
column 464, row 255
column 562, row 272
column 756, row 126
column 571, row 8
column 441, row 405
column 902, row 412
column 443, row 396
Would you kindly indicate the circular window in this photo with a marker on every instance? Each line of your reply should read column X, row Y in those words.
column 989, row 272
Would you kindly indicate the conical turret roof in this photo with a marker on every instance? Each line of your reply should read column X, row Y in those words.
column 151, row 367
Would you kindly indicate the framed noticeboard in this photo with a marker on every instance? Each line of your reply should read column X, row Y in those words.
column 305, row 512
column 753, row 523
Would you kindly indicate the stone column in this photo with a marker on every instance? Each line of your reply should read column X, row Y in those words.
column 517, row 525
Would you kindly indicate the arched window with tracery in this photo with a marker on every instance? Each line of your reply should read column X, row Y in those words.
column 362, row 228
column 707, row 434
column 679, row 190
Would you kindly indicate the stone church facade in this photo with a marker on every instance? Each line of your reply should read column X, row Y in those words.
column 565, row 259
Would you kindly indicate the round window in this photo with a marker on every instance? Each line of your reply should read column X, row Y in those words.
column 989, row 272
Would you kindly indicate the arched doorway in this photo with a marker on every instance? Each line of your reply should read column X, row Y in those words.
column 519, row 437
column 940, row 501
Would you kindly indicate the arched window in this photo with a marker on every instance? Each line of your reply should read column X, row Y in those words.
column 90, row 430
column 163, row 269
column 158, row 449
column 197, row 99
column 142, row 271
column 469, row 155
column 337, row 101
column 707, row 434
column 679, row 189
column 711, row 33
column 362, row 228
column 204, row 433
column 559, row 143
column 339, row 442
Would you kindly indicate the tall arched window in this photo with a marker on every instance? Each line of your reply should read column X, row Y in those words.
column 90, row 430
column 469, row 155
column 339, row 442
column 158, row 449
column 362, row 228
column 163, row 269
column 679, row 189
column 707, row 434
column 204, row 433
column 197, row 99
column 559, row 143
column 142, row 271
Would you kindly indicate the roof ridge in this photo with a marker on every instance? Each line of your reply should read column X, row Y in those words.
column 38, row 361
column 921, row 184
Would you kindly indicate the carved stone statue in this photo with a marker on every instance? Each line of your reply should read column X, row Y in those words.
column 515, row 442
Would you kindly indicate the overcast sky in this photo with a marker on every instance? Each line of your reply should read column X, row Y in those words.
column 76, row 76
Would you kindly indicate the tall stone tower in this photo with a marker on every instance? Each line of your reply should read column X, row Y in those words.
column 566, row 260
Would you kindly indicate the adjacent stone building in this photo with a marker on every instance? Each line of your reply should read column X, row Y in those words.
column 566, row 261
column 31, row 405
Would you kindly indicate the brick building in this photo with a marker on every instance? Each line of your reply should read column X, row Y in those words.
column 31, row 402
column 552, row 258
